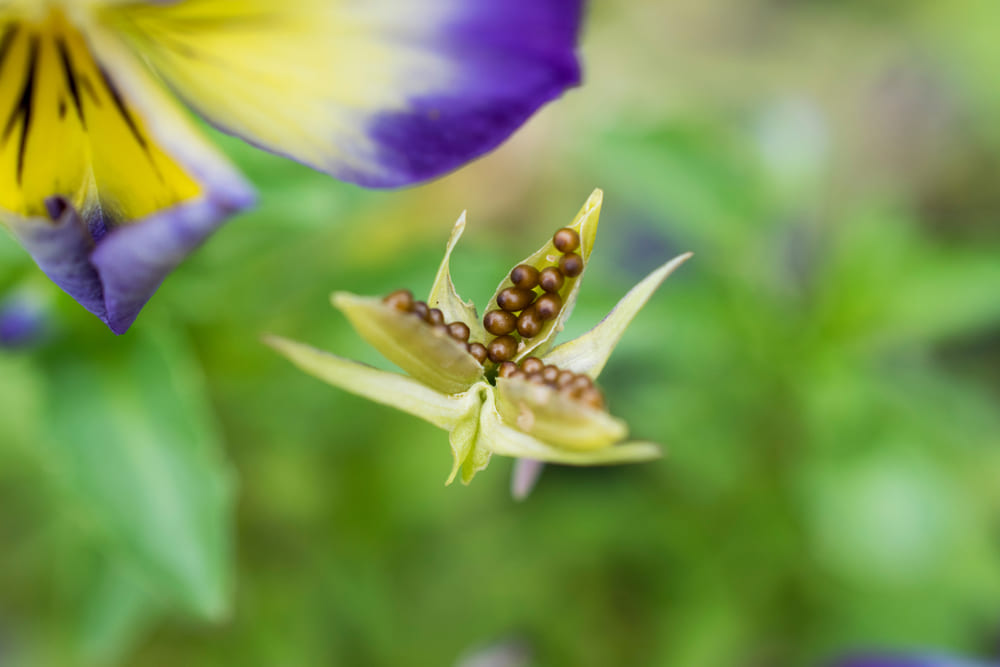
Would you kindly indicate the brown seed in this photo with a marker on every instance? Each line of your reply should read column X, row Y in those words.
column 550, row 374
column 551, row 279
column 529, row 324
column 532, row 365
column 499, row 322
column 518, row 375
column 440, row 329
column 507, row 369
column 459, row 331
column 524, row 276
column 571, row 265
column 565, row 378
column 401, row 299
column 514, row 299
column 434, row 316
column 536, row 378
column 580, row 384
column 548, row 306
column 592, row 396
column 477, row 350
column 502, row 349
column 420, row 309
column 566, row 240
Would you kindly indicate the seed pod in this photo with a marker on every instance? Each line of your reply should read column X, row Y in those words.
column 547, row 306
column 571, row 265
column 524, row 276
column 550, row 374
column 566, row 240
column 478, row 350
column 532, row 365
column 551, row 279
column 529, row 324
column 459, row 331
column 507, row 369
column 514, row 299
column 502, row 349
column 401, row 299
column 420, row 309
column 499, row 322
column 434, row 317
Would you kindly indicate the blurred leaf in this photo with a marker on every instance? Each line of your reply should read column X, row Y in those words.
column 140, row 461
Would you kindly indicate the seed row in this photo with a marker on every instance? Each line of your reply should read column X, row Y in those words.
column 574, row 385
column 402, row 300
column 525, row 311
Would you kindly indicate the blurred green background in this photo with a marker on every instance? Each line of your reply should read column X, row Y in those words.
column 825, row 375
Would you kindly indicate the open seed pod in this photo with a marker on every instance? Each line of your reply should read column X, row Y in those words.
column 584, row 224
column 554, row 417
column 427, row 354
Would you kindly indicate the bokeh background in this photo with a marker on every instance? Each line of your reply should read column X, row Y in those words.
column 825, row 375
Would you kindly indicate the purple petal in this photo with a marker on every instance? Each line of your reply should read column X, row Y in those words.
column 114, row 272
column 23, row 321
column 525, row 476
column 515, row 56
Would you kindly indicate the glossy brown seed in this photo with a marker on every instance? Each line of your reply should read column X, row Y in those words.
column 477, row 350
column 499, row 322
column 564, row 378
column 571, row 265
column 502, row 349
column 459, row 331
column 518, row 375
column 524, row 276
column 440, row 329
column 434, row 316
column 536, row 378
column 529, row 324
column 580, row 384
column 401, row 299
column 550, row 374
column 420, row 309
column 532, row 365
column 507, row 369
column 514, row 299
column 566, row 240
column 592, row 396
column 548, row 306
column 551, row 279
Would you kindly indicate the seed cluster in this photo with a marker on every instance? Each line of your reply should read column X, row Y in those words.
column 402, row 300
column 576, row 386
column 521, row 308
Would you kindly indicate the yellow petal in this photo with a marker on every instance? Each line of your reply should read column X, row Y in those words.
column 390, row 389
column 555, row 418
column 588, row 353
column 83, row 121
column 433, row 359
column 498, row 437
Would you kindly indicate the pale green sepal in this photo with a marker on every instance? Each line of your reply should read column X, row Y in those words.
column 477, row 461
column 555, row 418
column 585, row 224
column 390, row 389
column 463, row 436
column 588, row 353
column 502, row 439
column 444, row 296
column 433, row 359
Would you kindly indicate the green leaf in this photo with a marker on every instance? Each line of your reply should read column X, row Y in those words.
column 133, row 446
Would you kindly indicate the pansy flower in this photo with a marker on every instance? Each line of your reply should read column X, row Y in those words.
column 109, row 186
column 498, row 385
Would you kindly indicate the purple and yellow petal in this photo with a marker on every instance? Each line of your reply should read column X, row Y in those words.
column 101, row 178
column 381, row 93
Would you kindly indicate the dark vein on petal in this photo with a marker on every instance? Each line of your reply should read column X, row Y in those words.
column 74, row 89
column 23, row 109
